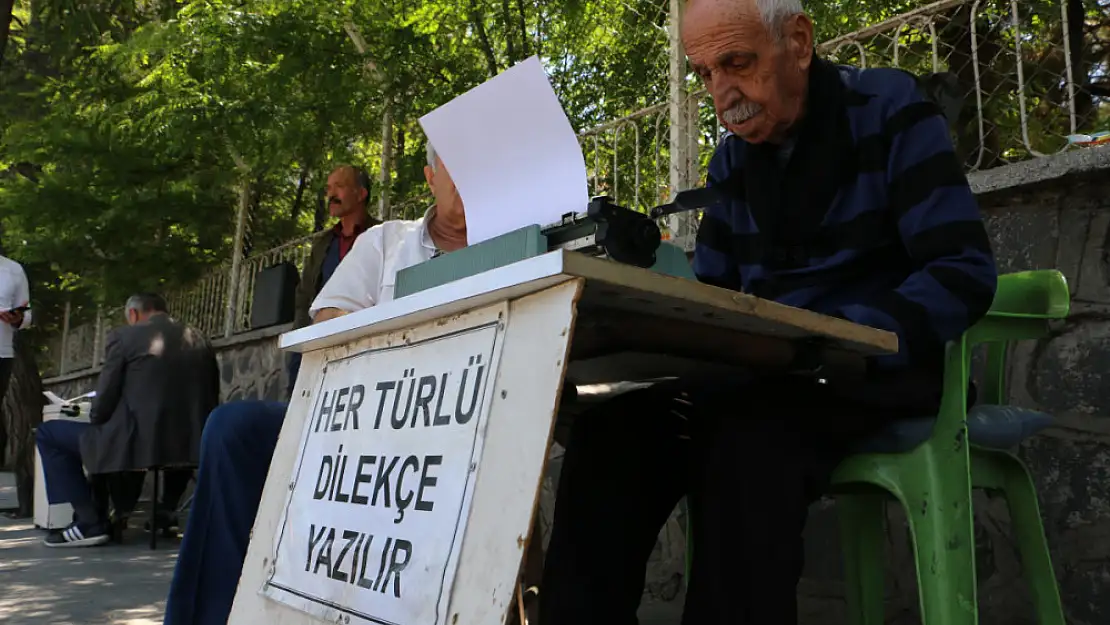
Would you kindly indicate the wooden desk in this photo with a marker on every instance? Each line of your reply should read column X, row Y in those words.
column 455, row 558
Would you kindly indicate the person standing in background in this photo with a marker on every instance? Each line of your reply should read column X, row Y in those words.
column 15, row 314
column 348, row 195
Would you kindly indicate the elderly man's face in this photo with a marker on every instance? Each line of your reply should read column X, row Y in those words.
column 758, row 83
column 345, row 196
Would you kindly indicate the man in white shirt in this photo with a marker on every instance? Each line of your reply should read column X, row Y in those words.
column 15, row 314
column 240, row 437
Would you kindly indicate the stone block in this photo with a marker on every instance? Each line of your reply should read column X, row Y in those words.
column 1024, row 235
column 1066, row 373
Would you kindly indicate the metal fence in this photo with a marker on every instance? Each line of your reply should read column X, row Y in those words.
column 1029, row 74
column 203, row 305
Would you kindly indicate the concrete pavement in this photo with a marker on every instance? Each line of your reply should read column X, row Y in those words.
column 111, row 585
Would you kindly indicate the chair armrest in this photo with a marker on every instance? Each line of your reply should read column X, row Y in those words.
column 1023, row 305
column 1040, row 294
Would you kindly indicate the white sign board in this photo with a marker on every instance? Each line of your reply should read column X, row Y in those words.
column 381, row 492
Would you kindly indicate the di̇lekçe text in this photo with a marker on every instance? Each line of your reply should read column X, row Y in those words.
column 375, row 562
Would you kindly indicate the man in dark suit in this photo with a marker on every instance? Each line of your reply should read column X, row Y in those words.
column 159, row 381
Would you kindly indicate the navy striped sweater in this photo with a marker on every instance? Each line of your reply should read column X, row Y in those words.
column 874, row 223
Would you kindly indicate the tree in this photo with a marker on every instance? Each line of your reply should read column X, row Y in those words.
column 7, row 8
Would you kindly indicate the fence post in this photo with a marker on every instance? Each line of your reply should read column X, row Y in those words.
column 384, row 180
column 98, row 337
column 680, row 121
column 62, row 368
column 237, row 258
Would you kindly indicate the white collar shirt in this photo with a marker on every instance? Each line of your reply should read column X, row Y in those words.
column 14, row 293
column 368, row 273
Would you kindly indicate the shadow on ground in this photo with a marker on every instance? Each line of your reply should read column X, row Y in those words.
column 112, row 585
column 117, row 585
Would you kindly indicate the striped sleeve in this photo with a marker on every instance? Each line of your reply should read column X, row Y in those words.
column 713, row 259
column 953, row 277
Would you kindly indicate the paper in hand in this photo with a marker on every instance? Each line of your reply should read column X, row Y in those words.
column 511, row 151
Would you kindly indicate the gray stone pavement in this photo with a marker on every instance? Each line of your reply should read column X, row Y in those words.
column 112, row 585
column 117, row 585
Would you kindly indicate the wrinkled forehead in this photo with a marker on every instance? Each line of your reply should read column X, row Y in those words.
column 713, row 23
column 343, row 176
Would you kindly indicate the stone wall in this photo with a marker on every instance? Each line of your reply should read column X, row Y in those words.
column 251, row 367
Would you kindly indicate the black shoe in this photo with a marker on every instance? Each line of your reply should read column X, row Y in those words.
column 78, row 536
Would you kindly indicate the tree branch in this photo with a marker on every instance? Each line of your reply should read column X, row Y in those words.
column 478, row 21
column 240, row 163
column 360, row 45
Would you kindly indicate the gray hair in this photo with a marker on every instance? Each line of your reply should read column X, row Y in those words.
column 146, row 303
column 431, row 156
column 775, row 12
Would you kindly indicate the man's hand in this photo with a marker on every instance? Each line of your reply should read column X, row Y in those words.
column 326, row 314
column 13, row 318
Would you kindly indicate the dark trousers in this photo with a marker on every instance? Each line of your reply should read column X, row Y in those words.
column 750, row 459
column 6, row 366
column 59, row 443
column 236, row 448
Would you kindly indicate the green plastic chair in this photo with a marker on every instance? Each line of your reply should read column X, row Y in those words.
column 931, row 465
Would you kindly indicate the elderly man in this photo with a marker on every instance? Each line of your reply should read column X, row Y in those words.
column 240, row 438
column 159, row 381
column 843, row 196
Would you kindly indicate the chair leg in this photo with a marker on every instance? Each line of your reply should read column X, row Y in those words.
column 689, row 551
column 154, row 513
column 862, row 530
column 938, row 507
column 1028, row 529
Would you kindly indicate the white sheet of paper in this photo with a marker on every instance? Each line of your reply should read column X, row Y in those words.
column 511, row 151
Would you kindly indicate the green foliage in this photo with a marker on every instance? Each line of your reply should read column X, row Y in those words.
column 128, row 128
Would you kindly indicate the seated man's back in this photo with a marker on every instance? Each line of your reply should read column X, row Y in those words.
column 160, row 386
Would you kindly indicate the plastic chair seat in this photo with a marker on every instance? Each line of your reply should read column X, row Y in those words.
column 990, row 426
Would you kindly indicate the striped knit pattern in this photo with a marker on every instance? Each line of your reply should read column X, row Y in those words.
column 901, row 248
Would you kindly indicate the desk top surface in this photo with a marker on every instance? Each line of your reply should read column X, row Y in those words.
column 610, row 287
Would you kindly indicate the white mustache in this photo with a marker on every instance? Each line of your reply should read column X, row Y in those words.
column 740, row 113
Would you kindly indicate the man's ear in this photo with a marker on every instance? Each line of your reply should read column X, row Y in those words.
column 798, row 31
column 429, row 174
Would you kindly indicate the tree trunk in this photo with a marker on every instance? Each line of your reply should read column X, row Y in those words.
column 1080, row 64
column 523, row 25
column 478, row 21
column 321, row 215
column 6, row 7
column 298, row 199
column 507, row 17
column 23, row 409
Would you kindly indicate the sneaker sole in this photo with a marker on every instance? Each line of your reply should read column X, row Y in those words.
column 84, row 542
